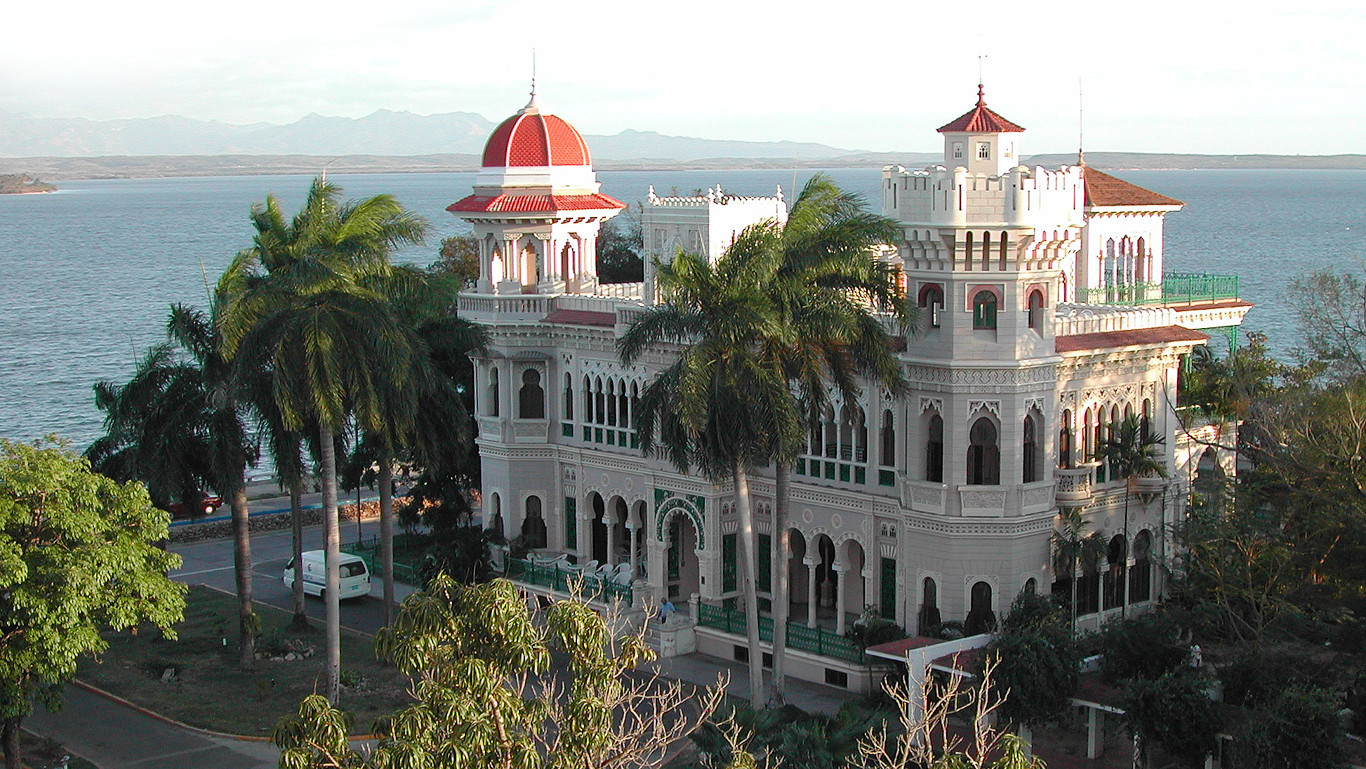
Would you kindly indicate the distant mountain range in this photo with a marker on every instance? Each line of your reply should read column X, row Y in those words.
column 381, row 133
column 386, row 141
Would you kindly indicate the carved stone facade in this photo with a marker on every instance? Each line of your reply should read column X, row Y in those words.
column 936, row 505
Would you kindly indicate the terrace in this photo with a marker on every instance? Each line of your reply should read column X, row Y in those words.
column 1176, row 289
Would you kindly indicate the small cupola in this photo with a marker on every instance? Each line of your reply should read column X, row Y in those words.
column 981, row 140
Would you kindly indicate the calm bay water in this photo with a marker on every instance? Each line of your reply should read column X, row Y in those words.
column 89, row 272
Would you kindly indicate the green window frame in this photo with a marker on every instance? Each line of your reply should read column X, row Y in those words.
column 764, row 563
column 887, row 591
column 729, row 575
column 984, row 310
column 571, row 523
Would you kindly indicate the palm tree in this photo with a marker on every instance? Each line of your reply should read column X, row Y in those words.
column 178, row 425
column 724, row 405
column 231, row 450
column 829, row 288
column 297, row 307
column 1073, row 547
column 1134, row 452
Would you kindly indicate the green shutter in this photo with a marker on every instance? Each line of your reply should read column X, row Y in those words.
column 728, row 571
column 764, row 563
column 888, row 597
column 571, row 523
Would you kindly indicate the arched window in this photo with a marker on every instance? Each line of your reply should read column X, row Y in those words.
column 533, row 524
column 599, row 402
column 496, row 514
column 1030, row 450
column 1004, row 241
column 932, row 298
column 611, row 396
column 984, row 454
column 491, row 393
column 984, row 310
column 1140, row 576
column 967, row 252
column 888, row 436
column 1031, row 586
column 1065, row 440
column 986, row 251
column 1115, row 556
column 531, row 398
column 929, row 606
column 934, row 450
column 981, row 618
column 831, row 436
column 588, row 401
column 1145, row 422
column 1036, row 310
column 568, row 397
column 860, row 435
column 1097, row 439
column 1141, row 263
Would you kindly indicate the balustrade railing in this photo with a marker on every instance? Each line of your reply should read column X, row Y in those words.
column 1175, row 288
column 815, row 640
column 567, row 581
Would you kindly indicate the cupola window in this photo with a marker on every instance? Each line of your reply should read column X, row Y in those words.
column 984, row 150
column 984, row 310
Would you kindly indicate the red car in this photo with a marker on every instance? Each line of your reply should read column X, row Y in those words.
column 206, row 507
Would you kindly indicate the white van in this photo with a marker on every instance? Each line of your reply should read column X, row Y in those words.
column 355, row 577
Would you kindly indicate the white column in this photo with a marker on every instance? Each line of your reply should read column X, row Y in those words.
column 1095, row 735
column 810, row 590
column 611, row 520
column 635, row 555
column 840, row 590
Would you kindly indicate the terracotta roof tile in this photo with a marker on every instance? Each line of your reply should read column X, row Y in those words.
column 1133, row 337
column 980, row 120
column 521, row 204
column 532, row 139
column 1104, row 190
column 582, row 318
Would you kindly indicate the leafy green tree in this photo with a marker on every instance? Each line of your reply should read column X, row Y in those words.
column 1145, row 647
column 1037, row 662
column 1297, row 728
column 1331, row 307
column 489, row 696
column 77, row 556
column 1173, row 712
column 620, row 243
column 296, row 306
column 459, row 259
column 723, row 405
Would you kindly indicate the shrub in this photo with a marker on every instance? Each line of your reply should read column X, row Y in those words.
column 1254, row 680
column 1145, row 647
column 1174, row 711
column 1298, row 729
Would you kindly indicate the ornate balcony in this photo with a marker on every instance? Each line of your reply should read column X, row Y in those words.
column 1074, row 484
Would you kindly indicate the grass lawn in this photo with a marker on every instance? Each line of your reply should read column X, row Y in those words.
column 210, row 691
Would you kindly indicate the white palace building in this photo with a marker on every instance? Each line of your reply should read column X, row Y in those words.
column 1047, row 318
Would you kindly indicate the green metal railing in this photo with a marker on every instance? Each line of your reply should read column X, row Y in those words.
column 815, row 640
column 409, row 550
column 565, row 581
column 1175, row 288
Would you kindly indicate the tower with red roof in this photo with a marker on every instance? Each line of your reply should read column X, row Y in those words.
column 536, row 208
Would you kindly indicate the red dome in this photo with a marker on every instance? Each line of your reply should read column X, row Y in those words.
column 532, row 139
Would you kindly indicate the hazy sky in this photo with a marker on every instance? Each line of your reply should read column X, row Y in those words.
column 1192, row 76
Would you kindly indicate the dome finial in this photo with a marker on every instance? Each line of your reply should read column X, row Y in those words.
column 531, row 106
column 981, row 98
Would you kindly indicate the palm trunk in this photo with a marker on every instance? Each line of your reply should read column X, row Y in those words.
column 332, row 591
column 11, row 742
column 782, row 551
column 241, row 552
column 386, row 533
column 1124, row 557
column 747, row 549
column 296, row 525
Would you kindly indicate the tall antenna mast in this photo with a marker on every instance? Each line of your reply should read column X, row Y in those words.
column 1081, row 126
